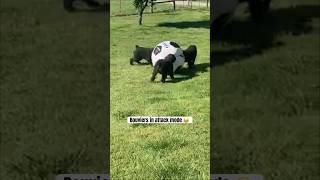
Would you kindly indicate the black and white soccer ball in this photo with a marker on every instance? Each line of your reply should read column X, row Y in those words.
column 165, row 48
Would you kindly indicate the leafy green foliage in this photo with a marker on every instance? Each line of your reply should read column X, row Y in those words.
column 140, row 5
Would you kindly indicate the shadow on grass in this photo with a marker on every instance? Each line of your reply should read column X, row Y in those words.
column 143, row 64
column 102, row 8
column 256, row 38
column 189, row 73
column 186, row 24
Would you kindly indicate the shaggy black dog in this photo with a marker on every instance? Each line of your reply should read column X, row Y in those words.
column 141, row 53
column 164, row 67
column 190, row 55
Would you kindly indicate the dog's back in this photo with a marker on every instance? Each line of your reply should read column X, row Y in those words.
column 141, row 53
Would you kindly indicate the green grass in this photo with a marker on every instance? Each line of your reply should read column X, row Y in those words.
column 266, row 94
column 159, row 151
column 53, row 78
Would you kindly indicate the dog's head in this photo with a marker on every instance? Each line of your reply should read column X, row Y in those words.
column 190, row 54
column 166, row 63
column 168, row 60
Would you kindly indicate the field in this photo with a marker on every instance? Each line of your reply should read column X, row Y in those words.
column 265, row 94
column 53, row 77
column 159, row 151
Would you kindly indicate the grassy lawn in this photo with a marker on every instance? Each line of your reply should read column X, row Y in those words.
column 53, row 78
column 266, row 94
column 159, row 151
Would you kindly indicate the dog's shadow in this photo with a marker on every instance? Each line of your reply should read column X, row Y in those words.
column 143, row 64
column 184, row 74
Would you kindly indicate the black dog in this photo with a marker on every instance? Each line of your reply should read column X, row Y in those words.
column 190, row 55
column 141, row 53
column 164, row 67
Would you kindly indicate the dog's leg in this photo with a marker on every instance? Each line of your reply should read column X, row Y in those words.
column 137, row 60
column 164, row 77
column 154, row 74
column 155, row 71
column 171, row 72
column 171, row 75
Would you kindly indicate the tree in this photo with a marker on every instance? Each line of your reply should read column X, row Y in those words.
column 140, row 5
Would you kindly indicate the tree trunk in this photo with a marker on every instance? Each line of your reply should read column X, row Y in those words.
column 140, row 18
column 141, row 11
